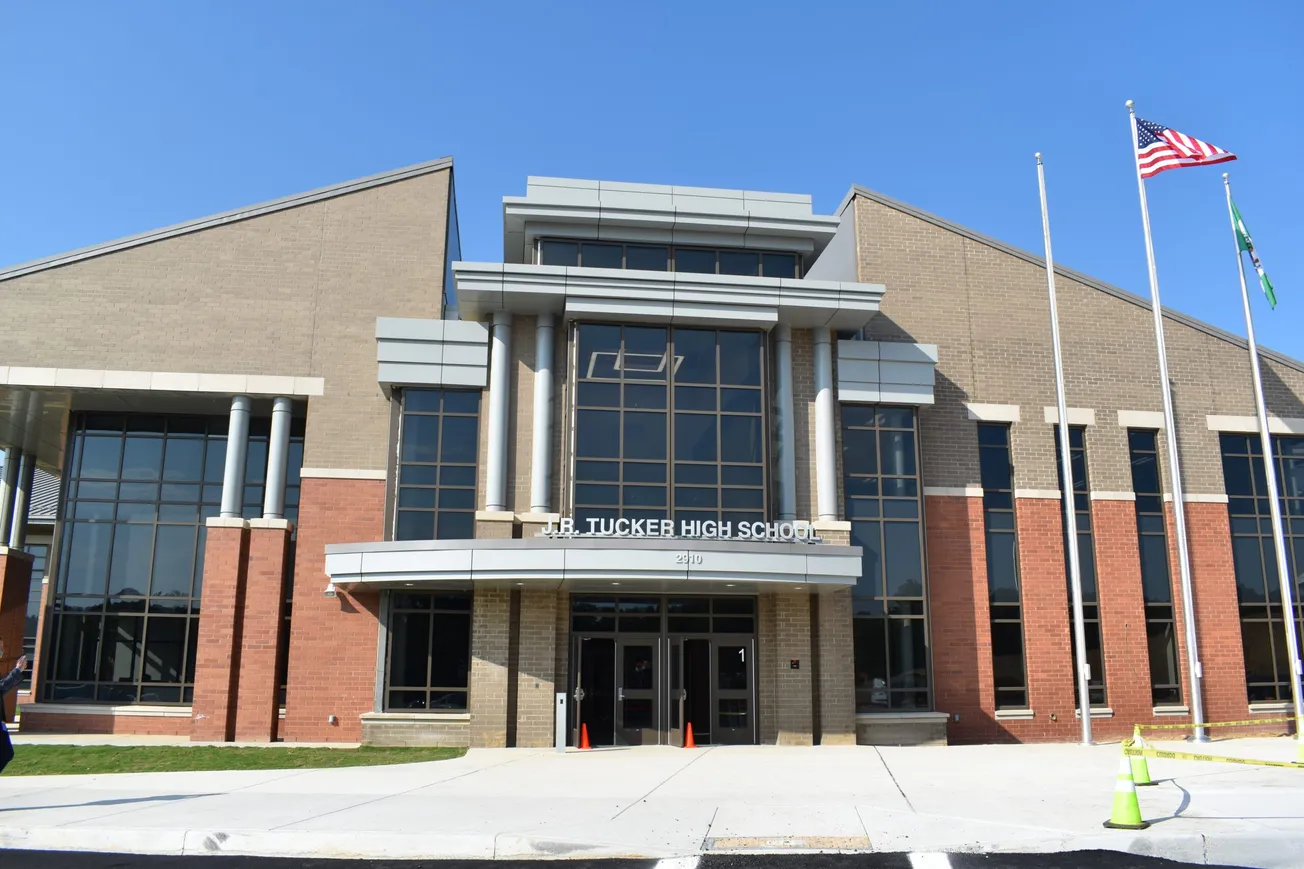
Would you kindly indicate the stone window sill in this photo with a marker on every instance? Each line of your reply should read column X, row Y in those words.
column 118, row 711
column 1270, row 708
column 1015, row 714
column 902, row 716
column 1096, row 712
column 395, row 717
column 1161, row 711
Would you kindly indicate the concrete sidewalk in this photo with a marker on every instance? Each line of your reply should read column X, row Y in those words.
column 660, row 802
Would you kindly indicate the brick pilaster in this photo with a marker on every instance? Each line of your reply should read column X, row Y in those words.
column 261, row 624
column 836, row 684
column 783, row 634
column 960, row 617
column 489, row 670
column 535, row 669
column 15, row 583
column 217, row 657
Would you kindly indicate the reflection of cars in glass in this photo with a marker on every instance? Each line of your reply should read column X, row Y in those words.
column 875, row 693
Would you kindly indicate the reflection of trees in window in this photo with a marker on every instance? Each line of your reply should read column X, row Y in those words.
column 881, row 481
column 439, row 441
column 1263, row 631
column 1087, row 565
column 125, row 609
column 669, row 424
column 1009, row 668
column 1156, row 582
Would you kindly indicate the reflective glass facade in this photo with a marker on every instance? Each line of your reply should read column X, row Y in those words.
column 669, row 424
column 438, row 445
column 125, row 607
column 1258, row 589
column 40, row 553
column 668, row 258
column 428, row 664
column 880, row 463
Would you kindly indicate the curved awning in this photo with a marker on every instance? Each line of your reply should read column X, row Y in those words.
column 580, row 564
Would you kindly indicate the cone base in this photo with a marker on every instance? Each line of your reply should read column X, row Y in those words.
column 1145, row 784
column 1141, row 826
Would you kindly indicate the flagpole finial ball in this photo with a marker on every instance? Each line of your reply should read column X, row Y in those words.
column 1129, row 104
column 1037, row 155
column 1224, row 176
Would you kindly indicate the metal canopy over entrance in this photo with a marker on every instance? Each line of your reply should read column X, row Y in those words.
column 643, row 667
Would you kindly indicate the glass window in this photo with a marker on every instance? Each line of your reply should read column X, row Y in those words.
column 1086, row 564
column 125, row 601
column 692, row 259
column 1009, row 665
column 647, row 258
column 660, row 258
column 881, row 486
column 559, row 253
column 438, row 441
column 1156, row 585
column 1263, row 622
column 669, row 424
column 429, row 662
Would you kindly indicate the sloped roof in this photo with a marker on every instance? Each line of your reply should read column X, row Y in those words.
column 1079, row 277
column 237, row 214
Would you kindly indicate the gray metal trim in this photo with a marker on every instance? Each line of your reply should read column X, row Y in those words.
column 1117, row 292
column 620, row 543
column 238, row 214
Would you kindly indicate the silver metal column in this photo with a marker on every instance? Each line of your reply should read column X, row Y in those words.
column 278, row 459
column 22, row 501
column 8, row 491
column 787, row 429
column 826, row 473
column 499, row 400
column 541, row 455
column 237, row 449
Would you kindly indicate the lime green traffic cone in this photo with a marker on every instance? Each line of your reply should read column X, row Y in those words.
column 1126, row 814
column 1140, row 768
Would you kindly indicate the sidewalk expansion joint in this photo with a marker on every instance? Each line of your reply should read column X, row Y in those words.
column 702, row 753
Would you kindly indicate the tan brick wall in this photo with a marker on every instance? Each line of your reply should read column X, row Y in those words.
column 783, row 635
column 536, row 669
column 294, row 292
column 803, row 421
column 987, row 311
column 836, row 697
column 489, row 670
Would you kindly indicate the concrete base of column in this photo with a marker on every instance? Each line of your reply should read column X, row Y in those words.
column 261, row 626
column 495, row 524
column 15, row 583
column 217, row 657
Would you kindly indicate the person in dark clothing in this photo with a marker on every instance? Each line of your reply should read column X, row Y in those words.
column 7, row 684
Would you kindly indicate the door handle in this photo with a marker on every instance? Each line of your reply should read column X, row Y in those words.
column 579, row 694
column 620, row 693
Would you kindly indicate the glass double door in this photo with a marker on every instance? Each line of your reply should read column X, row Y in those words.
column 646, row 690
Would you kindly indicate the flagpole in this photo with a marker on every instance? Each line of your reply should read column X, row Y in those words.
column 1170, row 432
column 1066, row 478
column 1270, row 468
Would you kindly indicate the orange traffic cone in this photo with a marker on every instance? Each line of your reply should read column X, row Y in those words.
column 584, row 737
column 688, row 737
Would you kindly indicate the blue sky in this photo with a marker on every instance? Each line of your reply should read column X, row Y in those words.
column 127, row 116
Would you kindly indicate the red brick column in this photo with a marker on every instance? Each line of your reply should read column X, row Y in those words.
column 332, row 668
column 261, row 624
column 959, row 616
column 15, row 582
column 1217, row 612
column 1047, row 633
column 1122, row 618
column 217, row 657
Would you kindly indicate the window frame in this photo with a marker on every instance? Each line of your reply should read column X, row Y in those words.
column 1008, row 448
column 400, row 430
column 394, row 610
column 1145, row 502
column 1098, row 681
column 798, row 258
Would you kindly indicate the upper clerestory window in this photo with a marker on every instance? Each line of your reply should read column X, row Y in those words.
column 668, row 258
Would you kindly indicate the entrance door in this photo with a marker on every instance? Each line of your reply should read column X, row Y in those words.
column 698, row 701
column 595, row 690
column 735, row 717
column 636, row 692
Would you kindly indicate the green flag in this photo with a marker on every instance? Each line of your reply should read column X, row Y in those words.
column 1244, row 243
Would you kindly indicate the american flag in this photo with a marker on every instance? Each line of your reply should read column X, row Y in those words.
column 1159, row 148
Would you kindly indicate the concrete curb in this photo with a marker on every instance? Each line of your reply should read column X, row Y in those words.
column 1270, row 849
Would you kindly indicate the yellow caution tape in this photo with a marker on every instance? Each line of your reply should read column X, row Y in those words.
column 1131, row 750
column 1247, row 723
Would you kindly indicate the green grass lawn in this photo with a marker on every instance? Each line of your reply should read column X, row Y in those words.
column 97, row 759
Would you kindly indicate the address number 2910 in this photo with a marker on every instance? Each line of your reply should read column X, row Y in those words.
column 688, row 558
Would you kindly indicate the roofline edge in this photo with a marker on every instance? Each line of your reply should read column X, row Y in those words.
column 1071, row 274
column 294, row 200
